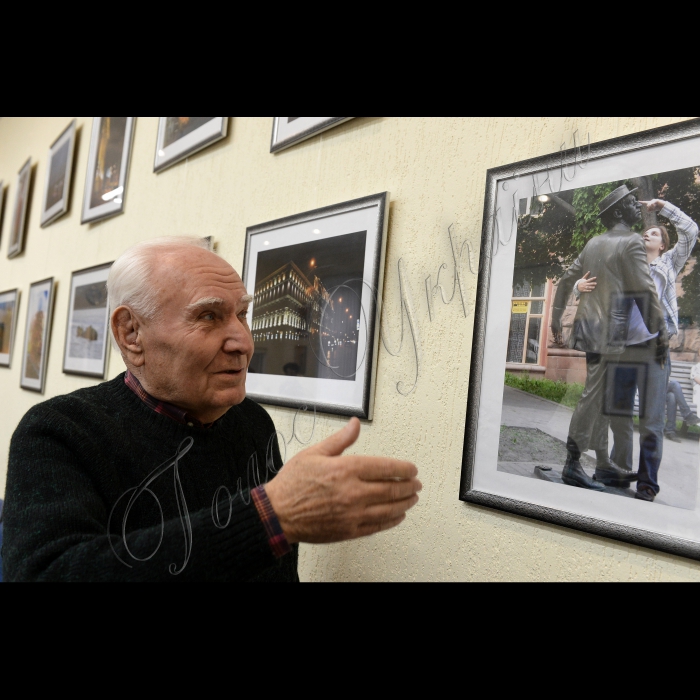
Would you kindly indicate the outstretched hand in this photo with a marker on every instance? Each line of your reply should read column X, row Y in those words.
column 321, row 497
column 655, row 205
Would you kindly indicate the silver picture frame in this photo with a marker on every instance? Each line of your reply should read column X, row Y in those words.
column 178, row 141
column 108, row 167
column 59, row 171
column 317, row 330
column 18, row 224
column 9, row 313
column 502, row 195
column 88, row 335
column 286, row 134
column 37, row 335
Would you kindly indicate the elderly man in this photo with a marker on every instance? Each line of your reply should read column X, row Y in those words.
column 156, row 476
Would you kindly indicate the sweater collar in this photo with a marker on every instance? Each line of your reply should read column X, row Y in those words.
column 175, row 413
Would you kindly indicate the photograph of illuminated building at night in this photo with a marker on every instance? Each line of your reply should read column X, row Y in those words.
column 307, row 310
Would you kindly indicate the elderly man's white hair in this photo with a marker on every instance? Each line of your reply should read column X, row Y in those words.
column 129, row 282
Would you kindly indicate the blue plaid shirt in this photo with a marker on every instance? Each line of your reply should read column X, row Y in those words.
column 665, row 269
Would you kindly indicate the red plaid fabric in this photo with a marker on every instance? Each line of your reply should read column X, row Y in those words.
column 165, row 409
column 278, row 542
column 276, row 537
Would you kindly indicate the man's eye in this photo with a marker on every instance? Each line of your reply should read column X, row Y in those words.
column 209, row 317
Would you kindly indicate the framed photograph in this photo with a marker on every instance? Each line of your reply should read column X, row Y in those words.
column 315, row 318
column 87, row 330
column 288, row 131
column 585, row 377
column 180, row 137
column 58, row 177
column 108, row 167
column 37, row 335
column 9, row 309
column 19, row 213
column 2, row 206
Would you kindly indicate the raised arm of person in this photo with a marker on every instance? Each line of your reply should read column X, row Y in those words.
column 687, row 232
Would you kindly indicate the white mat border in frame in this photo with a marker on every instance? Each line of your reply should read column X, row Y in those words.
column 207, row 135
column 664, row 528
column 285, row 136
column 356, row 398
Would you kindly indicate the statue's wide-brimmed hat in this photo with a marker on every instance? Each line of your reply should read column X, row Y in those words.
column 612, row 199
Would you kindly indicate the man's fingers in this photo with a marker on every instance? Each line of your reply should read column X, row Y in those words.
column 376, row 515
column 336, row 444
column 381, row 468
column 378, row 493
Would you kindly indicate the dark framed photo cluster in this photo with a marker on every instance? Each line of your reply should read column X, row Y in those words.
column 585, row 384
column 109, row 159
column 315, row 318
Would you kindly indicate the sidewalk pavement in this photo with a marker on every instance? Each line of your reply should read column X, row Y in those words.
column 678, row 476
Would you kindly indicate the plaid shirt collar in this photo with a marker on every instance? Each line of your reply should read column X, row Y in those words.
column 165, row 409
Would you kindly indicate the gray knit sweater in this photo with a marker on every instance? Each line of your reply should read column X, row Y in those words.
column 102, row 488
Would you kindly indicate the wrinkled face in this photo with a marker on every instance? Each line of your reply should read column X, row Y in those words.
column 654, row 242
column 198, row 350
column 631, row 210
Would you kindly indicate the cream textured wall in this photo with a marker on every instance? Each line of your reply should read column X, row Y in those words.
column 435, row 169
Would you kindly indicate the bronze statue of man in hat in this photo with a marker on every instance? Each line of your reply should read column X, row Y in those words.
column 621, row 328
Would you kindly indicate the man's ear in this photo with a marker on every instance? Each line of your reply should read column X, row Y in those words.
column 127, row 330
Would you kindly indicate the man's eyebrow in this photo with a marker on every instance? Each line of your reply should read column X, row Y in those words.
column 209, row 301
column 247, row 299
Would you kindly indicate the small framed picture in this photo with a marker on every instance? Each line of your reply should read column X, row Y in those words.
column 108, row 167
column 288, row 131
column 584, row 391
column 19, row 213
column 315, row 318
column 180, row 137
column 37, row 335
column 9, row 309
column 58, row 177
column 2, row 206
column 87, row 330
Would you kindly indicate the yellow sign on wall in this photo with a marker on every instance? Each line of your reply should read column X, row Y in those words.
column 520, row 307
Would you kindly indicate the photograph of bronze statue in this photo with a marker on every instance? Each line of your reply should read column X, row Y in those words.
column 604, row 346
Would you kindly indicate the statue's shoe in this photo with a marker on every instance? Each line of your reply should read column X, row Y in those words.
column 610, row 474
column 575, row 476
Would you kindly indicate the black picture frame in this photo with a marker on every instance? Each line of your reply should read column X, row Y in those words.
column 38, row 365
column 108, row 168
column 59, row 174
column 8, row 332
column 20, row 211
column 95, row 368
column 503, row 184
column 190, row 142
column 316, row 125
column 352, row 394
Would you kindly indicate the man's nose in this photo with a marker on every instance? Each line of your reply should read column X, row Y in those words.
column 238, row 339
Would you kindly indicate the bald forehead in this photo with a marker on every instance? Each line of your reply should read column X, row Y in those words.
column 184, row 274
